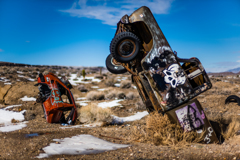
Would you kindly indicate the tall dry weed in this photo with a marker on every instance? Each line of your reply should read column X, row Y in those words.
column 232, row 129
column 159, row 130
column 92, row 113
column 112, row 94
column 95, row 95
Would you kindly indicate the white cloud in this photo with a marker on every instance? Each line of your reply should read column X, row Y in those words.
column 110, row 14
column 27, row 41
column 1, row 50
column 238, row 61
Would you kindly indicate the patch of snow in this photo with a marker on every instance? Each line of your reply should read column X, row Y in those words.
column 117, row 84
column 84, row 125
column 137, row 116
column 21, row 76
column 124, row 78
column 25, row 98
column 94, row 87
column 80, row 144
column 6, row 118
column 13, row 127
column 81, row 79
column 12, row 106
column 3, row 79
column 102, row 89
column 134, row 87
column 20, row 72
column 82, row 103
column 81, row 98
column 110, row 104
column 30, row 79
column 7, row 83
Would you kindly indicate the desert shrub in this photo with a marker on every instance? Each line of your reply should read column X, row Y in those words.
column 74, row 71
column 29, row 115
column 92, row 113
column 83, row 73
column 113, row 94
column 62, row 71
column 232, row 129
column 12, row 70
column 35, row 73
column 94, row 95
column 24, row 69
column 125, row 84
column 110, row 82
column 45, row 72
column 52, row 71
column 78, row 74
column 82, row 88
column 67, row 74
column 140, row 105
column 131, row 95
column 161, row 131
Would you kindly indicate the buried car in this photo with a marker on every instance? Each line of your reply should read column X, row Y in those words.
column 56, row 98
column 165, row 82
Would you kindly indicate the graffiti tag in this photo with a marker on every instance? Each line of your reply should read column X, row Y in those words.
column 207, row 138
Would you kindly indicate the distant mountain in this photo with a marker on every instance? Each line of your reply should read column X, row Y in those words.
column 235, row 70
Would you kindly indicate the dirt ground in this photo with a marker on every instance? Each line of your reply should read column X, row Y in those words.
column 16, row 144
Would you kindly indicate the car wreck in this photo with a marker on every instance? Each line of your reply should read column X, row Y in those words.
column 166, row 83
column 56, row 98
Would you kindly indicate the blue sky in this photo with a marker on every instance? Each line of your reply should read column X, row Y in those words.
column 78, row 33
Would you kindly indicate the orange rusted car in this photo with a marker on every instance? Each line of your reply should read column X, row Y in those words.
column 56, row 98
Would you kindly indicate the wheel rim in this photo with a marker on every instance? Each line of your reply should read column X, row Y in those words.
column 126, row 48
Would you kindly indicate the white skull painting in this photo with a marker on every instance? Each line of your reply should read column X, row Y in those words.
column 173, row 77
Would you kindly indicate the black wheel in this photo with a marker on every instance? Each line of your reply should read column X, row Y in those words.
column 125, row 46
column 232, row 98
column 113, row 66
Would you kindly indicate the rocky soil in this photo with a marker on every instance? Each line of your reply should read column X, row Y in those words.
column 19, row 145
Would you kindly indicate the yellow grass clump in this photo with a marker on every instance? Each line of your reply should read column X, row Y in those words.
column 94, row 95
column 232, row 129
column 92, row 113
column 161, row 131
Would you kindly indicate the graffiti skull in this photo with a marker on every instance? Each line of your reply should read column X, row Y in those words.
column 174, row 76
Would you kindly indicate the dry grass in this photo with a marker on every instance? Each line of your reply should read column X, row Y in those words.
column 82, row 88
column 160, row 131
column 94, row 95
column 110, row 82
column 92, row 113
column 132, row 95
column 140, row 105
column 232, row 128
column 126, row 84
column 115, row 94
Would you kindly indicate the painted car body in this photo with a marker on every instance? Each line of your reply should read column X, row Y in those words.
column 165, row 81
column 52, row 90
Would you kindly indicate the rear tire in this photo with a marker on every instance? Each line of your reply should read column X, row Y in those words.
column 125, row 46
column 113, row 67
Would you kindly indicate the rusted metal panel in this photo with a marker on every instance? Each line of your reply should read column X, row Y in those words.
column 190, row 116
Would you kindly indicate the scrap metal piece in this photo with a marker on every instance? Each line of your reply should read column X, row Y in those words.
column 56, row 99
